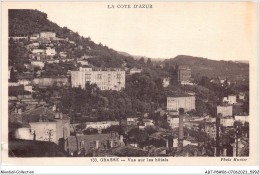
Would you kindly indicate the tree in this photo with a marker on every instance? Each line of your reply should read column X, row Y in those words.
column 150, row 130
column 149, row 62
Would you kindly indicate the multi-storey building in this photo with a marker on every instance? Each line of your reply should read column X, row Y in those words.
column 185, row 102
column 227, row 121
column 173, row 121
column 47, row 34
column 211, row 130
column 225, row 110
column 105, row 79
column 184, row 73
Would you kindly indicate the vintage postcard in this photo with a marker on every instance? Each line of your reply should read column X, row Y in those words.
column 129, row 83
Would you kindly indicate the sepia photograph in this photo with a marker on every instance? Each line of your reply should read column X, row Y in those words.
column 106, row 81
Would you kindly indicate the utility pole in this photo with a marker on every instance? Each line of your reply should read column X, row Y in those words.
column 236, row 140
column 217, row 135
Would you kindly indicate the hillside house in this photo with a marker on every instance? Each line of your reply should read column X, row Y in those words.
column 43, row 125
column 47, row 35
column 50, row 51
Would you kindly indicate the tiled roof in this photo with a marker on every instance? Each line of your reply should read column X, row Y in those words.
column 42, row 112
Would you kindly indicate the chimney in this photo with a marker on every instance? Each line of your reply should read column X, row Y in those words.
column 34, row 135
column 121, row 138
column 217, row 134
column 61, row 115
column 180, row 138
column 224, row 152
column 97, row 144
column 215, row 151
column 111, row 143
column 195, row 153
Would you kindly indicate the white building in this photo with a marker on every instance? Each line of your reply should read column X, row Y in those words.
column 241, row 96
column 231, row 99
column 211, row 130
column 148, row 122
column 38, row 51
column 47, row 35
column 63, row 54
column 242, row 119
column 83, row 62
column 173, row 122
column 227, row 121
column 187, row 83
column 34, row 36
column 28, row 88
column 37, row 64
column 135, row 70
column 185, row 143
column 166, row 82
column 185, row 102
column 50, row 51
column 132, row 121
column 24, row 82
column 105, row 79
column 225, row 110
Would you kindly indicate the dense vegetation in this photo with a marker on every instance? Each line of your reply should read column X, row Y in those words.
column 211, row 68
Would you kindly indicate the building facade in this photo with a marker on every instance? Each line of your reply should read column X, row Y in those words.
column 47, row 35
column 105, row 79
column 43, row 125
column 50, row 51
column 241, row 119
column 225, row 110
column 166, row 82
column 173, row 121
column 186, row 102
column 227, row 121
column 211, row 130
column 230, row 99
column 184, row 73
column 135, row 70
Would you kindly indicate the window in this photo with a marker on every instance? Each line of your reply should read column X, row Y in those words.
column 99, row 76
column 88, row 76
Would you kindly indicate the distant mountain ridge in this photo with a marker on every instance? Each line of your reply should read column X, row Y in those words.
column 212, row 68
column 130, row 55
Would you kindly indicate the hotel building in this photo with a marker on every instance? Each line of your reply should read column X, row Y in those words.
column 185, row 102
column 104, row 78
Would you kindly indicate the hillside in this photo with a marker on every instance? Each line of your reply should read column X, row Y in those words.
column 27, row 22
column 211, row 68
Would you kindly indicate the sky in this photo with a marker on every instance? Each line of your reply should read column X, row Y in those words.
column 214, row 30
